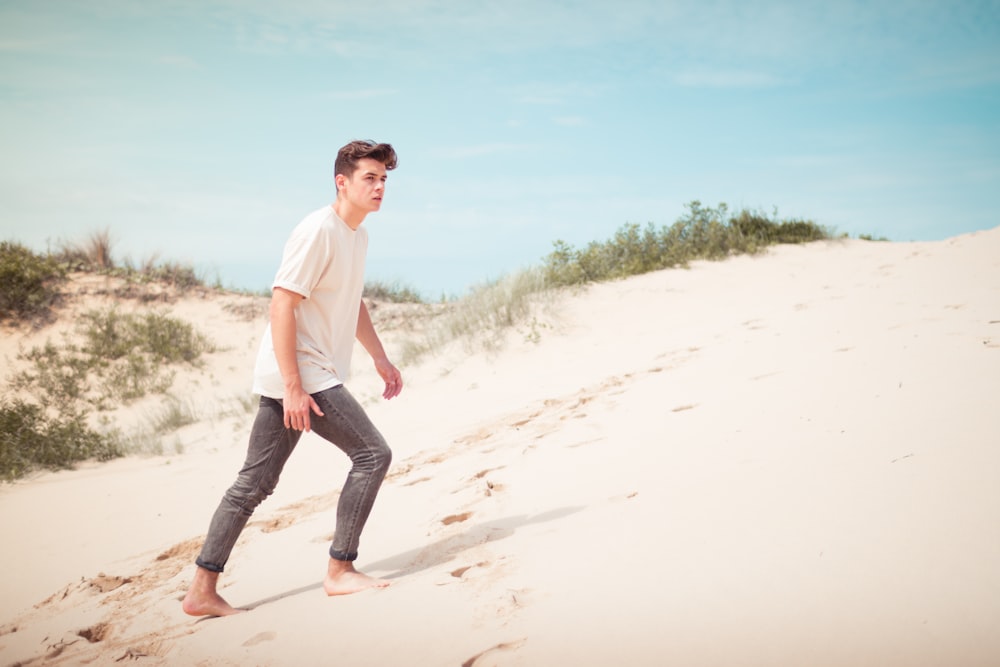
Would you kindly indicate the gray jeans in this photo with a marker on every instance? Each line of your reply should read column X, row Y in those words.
column 345, row 424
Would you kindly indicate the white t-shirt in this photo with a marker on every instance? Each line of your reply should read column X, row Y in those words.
column 324, row 261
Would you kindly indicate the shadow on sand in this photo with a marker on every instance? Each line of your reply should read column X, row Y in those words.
column 445, row 550
column 440, row 552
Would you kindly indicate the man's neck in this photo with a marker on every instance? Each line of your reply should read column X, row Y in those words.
column 351, row 216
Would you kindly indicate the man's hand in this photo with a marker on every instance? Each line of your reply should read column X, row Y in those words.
column 298, row 404
column 392, row 377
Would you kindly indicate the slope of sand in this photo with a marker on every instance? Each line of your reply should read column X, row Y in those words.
column 778, row 460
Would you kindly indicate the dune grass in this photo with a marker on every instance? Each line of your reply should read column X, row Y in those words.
column 30, row 439
column 702, row 233
column 122, row 357
column 488, row 311
column 94, row 255
column 126, row 356
column 395, row 292
column 30, row 282
column 482, row 316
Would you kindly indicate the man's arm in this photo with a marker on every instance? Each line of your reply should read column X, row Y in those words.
column 370, row 341
column 296, row 401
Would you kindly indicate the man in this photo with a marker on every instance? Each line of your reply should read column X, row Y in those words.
column 316, row 313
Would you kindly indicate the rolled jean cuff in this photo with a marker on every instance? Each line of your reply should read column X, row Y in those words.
column 211, row 567
column 340, row 555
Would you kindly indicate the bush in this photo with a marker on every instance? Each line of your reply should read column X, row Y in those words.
column 126, row 353
column 111, row 335
column 392, row 292
column 30, row 439
column 181, row 276
column 122, row 358
column 58, row 375
column 94, row 256
column 702, row 233
column 28, row 282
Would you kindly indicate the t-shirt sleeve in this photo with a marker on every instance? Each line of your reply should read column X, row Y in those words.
column 305, row 258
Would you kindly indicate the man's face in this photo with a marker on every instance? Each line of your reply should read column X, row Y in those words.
column 365, row 188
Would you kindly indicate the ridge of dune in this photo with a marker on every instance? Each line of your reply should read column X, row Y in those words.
column 781, row 459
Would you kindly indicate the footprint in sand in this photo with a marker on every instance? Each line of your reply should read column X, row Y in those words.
column 459, row 572
column 95, row 633
column 289, row 514
column 480, row 658
column 106, row 583
column 260, row 637
column 484, row 473
column 456, row 518
column 276, row 524
column 491, row 486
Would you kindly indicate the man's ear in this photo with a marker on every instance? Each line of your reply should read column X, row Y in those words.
column 339, row 181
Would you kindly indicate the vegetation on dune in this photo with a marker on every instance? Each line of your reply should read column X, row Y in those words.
column 482, row 315
column 487, row 311
column 703, row 233
column 124, row 356
column 31, row 438
column 395, row 292
column 94, row 256
column 30, row 282
column 120, row 358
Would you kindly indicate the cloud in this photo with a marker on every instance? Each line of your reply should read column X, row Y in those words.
column 181, row 62
column 463, row 152
column 725, row 78
column 570, row 121
column 13, row 45
column 554, row 94
column 362, row 94
column 979, row 68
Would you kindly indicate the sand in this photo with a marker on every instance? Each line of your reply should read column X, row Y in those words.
column 788, row 459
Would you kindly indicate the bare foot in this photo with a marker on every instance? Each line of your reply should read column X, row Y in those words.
column 342, row 579
column 202, row 598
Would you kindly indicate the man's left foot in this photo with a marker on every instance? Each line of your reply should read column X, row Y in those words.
column 342, row 579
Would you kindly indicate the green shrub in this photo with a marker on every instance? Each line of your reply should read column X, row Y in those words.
column 123, row 357
column 182, row 276
column 392, row 292
column 58, row 375
column 702, row 233
column 133, row 376
column 799, row 231
column 29, row 283
column 94, row 256
column 30, row 439
column 112, row 335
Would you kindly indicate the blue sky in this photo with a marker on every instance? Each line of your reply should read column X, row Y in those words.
column 205, row 130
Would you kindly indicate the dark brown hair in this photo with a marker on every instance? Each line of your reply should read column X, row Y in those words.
column 349, row 155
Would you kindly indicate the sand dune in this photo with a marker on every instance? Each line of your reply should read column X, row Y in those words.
column 791, row 459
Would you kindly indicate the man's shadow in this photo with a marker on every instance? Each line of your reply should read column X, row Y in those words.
column 440, row 552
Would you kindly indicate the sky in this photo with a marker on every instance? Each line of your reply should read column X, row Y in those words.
column 203, row 131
